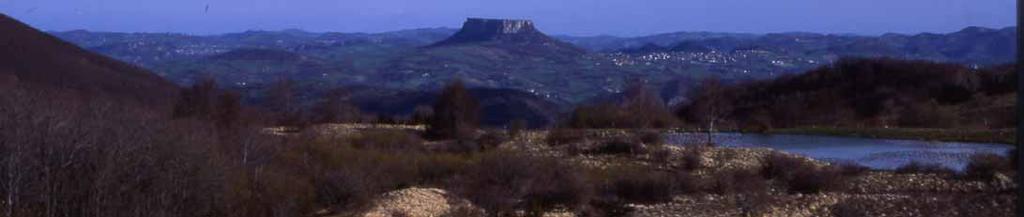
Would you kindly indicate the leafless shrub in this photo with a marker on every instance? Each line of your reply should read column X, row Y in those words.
column 919, row 167
column 620, row 147
column 653, row 138
column 503, row 182
column 801, row 176
column 661, row 155
column 692, row 159
column 985, row 166
column 492, row 139
column 816, row 181
column 640, row 108
column 516, row 127
column 343, row 189
column 647, row 185
column 456, row 115
column 334, row 107
column 781, row 166
column 562, row 136
column 738, row 181
column 393, row 140
column 852, row 169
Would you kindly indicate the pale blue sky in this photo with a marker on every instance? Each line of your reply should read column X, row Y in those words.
column 573, row 17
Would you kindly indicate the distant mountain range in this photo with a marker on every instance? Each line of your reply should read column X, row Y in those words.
column 505, row 54
column 35, row 61
column 517, row 71
column 513, row 54
column 972, row 45
column 607, row 43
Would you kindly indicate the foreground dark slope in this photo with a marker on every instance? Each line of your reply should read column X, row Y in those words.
column 32, row 57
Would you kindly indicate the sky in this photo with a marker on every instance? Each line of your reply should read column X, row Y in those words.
column 565, row 17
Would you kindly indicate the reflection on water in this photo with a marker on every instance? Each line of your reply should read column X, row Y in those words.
column 874, row 153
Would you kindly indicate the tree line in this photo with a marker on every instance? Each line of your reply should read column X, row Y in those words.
column 858, row 93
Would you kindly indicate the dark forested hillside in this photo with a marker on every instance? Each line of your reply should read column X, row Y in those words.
column 489, row 55
column 866, row 93
column 32, row 57
column 498, row 107
column 971, row 45
column 506, row 54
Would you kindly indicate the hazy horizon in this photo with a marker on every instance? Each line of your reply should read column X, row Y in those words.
column 555, row 34
column 570, row 17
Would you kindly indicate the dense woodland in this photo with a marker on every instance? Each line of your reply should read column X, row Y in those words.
column 851, row 93
column 874, row 93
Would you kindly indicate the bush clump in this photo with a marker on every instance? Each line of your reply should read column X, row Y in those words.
column 1013, row 157
column 802, row 176
column 781, row 166
column 660, row 154
column 640, row 108
column 816, row 181
column 692, row 159
column 456, row 114
column 620, row 147
column 562, row 136
column 738, row 181
column 391, row 140
column 636, row 143
column 503, row 182
column 926, row 168
column 650, row 137
column 460, row 146
column 492, row 139
column 517, row 127
column 650, row 186
column 986, row 166
column 852, row 169
column 343, row 189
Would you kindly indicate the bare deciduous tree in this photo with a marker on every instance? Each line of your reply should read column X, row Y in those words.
column 456, row 114
column 197, row 101
column 646, row 108
column 283, row 103
column 710, row 103
column 334, row 106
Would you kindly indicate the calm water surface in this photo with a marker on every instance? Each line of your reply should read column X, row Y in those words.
column 873, row 153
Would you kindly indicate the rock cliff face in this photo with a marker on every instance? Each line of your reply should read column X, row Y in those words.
column 506, row 54
column 482, row 30
column 501, row 26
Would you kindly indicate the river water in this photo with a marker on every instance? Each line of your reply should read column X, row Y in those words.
column 883, row 154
